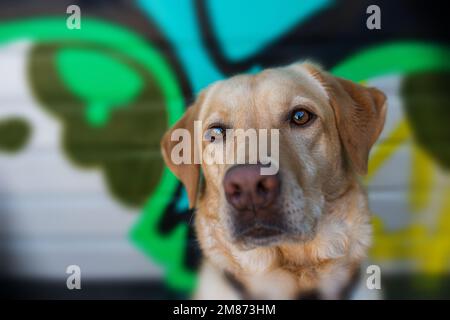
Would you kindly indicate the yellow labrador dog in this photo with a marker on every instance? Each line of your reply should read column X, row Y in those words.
column 304, row 231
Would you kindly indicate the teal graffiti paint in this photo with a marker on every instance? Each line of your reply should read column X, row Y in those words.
column 245, row 27
column 178, row 21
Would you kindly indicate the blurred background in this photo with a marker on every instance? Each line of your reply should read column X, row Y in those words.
column 82, row 111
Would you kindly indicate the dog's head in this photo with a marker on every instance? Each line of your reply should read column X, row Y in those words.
column 326, row 127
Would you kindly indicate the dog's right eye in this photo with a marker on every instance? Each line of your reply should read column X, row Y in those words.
column 213, row 133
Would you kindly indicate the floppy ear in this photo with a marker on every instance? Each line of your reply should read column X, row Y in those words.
column 360, row 114
column 187, row 173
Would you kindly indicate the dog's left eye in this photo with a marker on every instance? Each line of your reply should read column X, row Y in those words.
column 214, row 132
column 301, row 117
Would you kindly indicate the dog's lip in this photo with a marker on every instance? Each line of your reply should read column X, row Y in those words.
column 259, row 232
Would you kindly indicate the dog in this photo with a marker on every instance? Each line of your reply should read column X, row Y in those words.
column 303, row 232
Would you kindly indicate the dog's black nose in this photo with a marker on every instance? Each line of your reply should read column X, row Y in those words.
column 246, row 189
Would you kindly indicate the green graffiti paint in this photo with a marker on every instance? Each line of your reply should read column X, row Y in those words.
column 169, row 249
column 14, row 134
column 99, row 80
column 426, row 67
column 104, row 34
column 145, row 234
column 394, row 58
column 126, row 147
column 426, row 97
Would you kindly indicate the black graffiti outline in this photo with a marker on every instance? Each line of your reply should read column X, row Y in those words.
column 424, row 22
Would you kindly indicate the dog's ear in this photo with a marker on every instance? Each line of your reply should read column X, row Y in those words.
column 360, row 115
column 187, row 173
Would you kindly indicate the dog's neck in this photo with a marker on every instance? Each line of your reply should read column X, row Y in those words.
column 323, row 266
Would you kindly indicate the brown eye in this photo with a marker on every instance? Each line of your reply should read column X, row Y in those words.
column 301, row 117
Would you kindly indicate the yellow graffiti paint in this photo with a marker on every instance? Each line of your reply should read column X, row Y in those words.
column 425, row 246
column 381, row 154
column 422, row 178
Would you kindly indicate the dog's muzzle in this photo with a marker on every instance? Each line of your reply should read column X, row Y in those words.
column 254, row 201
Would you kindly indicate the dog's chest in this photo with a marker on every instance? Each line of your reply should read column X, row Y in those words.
column 294, row 283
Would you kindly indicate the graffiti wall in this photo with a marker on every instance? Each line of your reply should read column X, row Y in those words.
column 82, row 112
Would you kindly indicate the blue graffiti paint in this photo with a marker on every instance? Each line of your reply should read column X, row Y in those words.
column 245, row 27
column 183, row 203
column 239, row 34
column 178, row 22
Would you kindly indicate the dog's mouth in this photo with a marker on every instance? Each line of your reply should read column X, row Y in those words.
column 261, row 232
column 260, row 235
